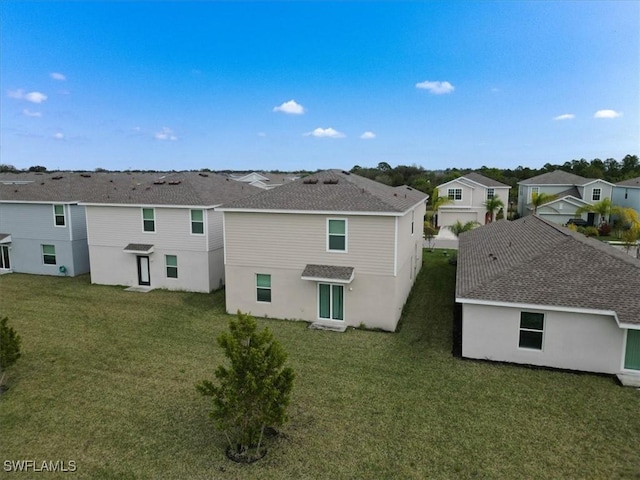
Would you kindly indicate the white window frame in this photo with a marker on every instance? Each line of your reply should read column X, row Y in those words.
column 3, row 249
column 56, row 215
column 153, row 210
column 521, row 329
column 344, row 302
column 491, row 193
column 192, row 221
column 258, row 287
column 452, row 194
column 54, row 254
column 593, row 194
column 533, row 190
column 346, row 235
column 167, row 267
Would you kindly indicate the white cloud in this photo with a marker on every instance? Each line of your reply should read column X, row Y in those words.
column 607, row 114
column 291, row 107
column 368, row 135
column 58, row 136
column 28, row 113
column 165, row 134
column 326, row 133
column 437, row 88
column 565, row 116
column 33, row 97
column 58, row 76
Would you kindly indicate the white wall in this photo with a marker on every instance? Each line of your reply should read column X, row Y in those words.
column 573, row 341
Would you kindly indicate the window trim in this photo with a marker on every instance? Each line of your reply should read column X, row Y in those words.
column 452, row 194
column 346, row 235
column 533, row 190
column 259, row 287
column 344, row 308
column 62, row 215
column 413, row 218
column 491, row 193
column 593, row 194
column 534, row 330
column 153, row 211
column 192, row 221
column 44, row 254
column 167, row 266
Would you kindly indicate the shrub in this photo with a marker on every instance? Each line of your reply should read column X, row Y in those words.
column 604, row 229
column 572, row 226
column 9, row 347
column 591, row 231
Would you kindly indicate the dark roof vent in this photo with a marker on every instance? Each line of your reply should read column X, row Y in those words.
column 310, row 181
column 203, row 174
column 331, row 181
column 159, row 182
column 111, row 180
column 41, row 183
column 57, row 177
column 174, row 182
column 85, row 175
column 346, row 173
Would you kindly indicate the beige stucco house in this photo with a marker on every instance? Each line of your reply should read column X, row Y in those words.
column 533, row 292
column 468, row 195
column 333, row 248
column 160, row 230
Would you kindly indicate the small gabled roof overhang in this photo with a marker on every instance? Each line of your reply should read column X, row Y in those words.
column 328, row 273
column 138, row 248
column 5, row 238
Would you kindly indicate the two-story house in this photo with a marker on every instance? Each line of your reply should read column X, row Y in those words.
column 42, row 225
column 163, row 232
column 570, row 192
column 332, row 248
column 468, row 195
column 627, row 194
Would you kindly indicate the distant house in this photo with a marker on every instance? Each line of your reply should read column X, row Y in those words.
column 468, row 195
column 627, row 194
column 264, row 180
column 570, row 192
column 334, row 248
column 533, row 292
column 161, row 232
column 42, row 225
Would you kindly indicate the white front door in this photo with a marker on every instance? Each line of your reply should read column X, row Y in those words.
column 5, row 262
column 144, row 278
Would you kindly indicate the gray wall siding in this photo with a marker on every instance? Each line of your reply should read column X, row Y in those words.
column 295, row 240
column 78, row 218
column 32, row 221
column 632, row 199
column 26, row 257
column 215, row 232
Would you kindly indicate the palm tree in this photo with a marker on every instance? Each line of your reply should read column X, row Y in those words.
column 493, row 204
column 458, row 228
column 436, row 202
column 539, row 199
column 602, row 208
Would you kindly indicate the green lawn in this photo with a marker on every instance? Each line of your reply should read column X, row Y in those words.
column 107, row 380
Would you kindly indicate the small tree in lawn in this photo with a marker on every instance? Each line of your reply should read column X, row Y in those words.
column 459, row 227
column 9, row 347
column 429, row 234
column 253, row 392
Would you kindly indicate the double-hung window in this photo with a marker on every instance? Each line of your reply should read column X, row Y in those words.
column 337, row 235
column 534, row 192
column 454, row 193
column 197, row 222
column 263, row 288
column 49, row 254
column 148, row 220
column 171, row 263
column 490, row 193
column 595, row 196
column 531, row 330
column 58, row 216
column 330, row 301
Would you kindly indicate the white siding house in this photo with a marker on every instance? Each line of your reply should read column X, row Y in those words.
column 334, row 249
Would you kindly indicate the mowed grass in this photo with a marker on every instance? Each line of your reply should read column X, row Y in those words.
column 107, row 380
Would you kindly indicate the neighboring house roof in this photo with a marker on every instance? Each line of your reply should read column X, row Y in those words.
column 176, row 188
column 474, row 177
column 557, row 177
column 632, row 182
column 333, row 191
column 536, row 262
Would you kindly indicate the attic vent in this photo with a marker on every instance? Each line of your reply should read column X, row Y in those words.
column 57, row 177
column 346, row 173
column 159, row 182
column 174, row 182
column 41, row 183
column 310, row 181
column 410, row 189
column 85, row 175
column 111, row 180
column 332, row 181
column 203, row 174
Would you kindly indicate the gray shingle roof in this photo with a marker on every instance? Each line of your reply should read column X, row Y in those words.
column 557, row 177
column 482, row 180
column 333, row 190
column 176, row 188
column 533, row 261
column 328, row 271
column 632, row 182
column 138, row 247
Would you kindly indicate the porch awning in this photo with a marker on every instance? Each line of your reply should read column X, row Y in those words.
column 328, row 273
column 138, row 248
column 5, row 238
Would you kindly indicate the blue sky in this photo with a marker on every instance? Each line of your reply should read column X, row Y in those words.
column 305, row 85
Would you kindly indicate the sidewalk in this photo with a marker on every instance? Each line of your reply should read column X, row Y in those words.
column 444, row 239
